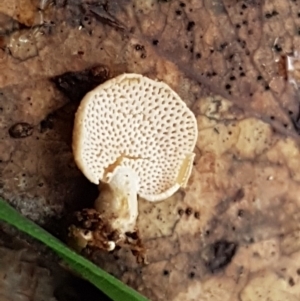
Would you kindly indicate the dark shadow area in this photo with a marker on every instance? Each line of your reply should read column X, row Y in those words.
column 76, row 84
column 76, row 289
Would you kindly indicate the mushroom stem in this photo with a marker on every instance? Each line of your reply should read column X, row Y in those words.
column 117, row 202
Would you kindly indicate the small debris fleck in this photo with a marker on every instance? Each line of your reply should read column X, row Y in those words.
column 20, row 130
column 268, row 15
column 277, row 48
column 188, row 211
column 190, row 25
column 291, row 281
column 240, row 213
column 139, row 47
column 223, row 45
column 47, row 123
column 239, row 195
column 166, row 272
column 191, row 275
column 220, row 254
column 180, row 212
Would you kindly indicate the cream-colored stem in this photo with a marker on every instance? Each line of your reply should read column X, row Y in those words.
column 117, row 202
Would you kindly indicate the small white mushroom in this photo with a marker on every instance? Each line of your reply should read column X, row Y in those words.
column 136, row 137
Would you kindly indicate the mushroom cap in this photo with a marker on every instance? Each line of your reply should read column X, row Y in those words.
column 140, row 123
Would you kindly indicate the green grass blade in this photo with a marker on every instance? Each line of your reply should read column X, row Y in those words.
column 108, row 284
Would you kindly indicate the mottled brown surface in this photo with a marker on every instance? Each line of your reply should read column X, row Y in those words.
column 29, row 272
column 233, row 234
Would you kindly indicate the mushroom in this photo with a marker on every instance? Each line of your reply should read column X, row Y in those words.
column 133, row 136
